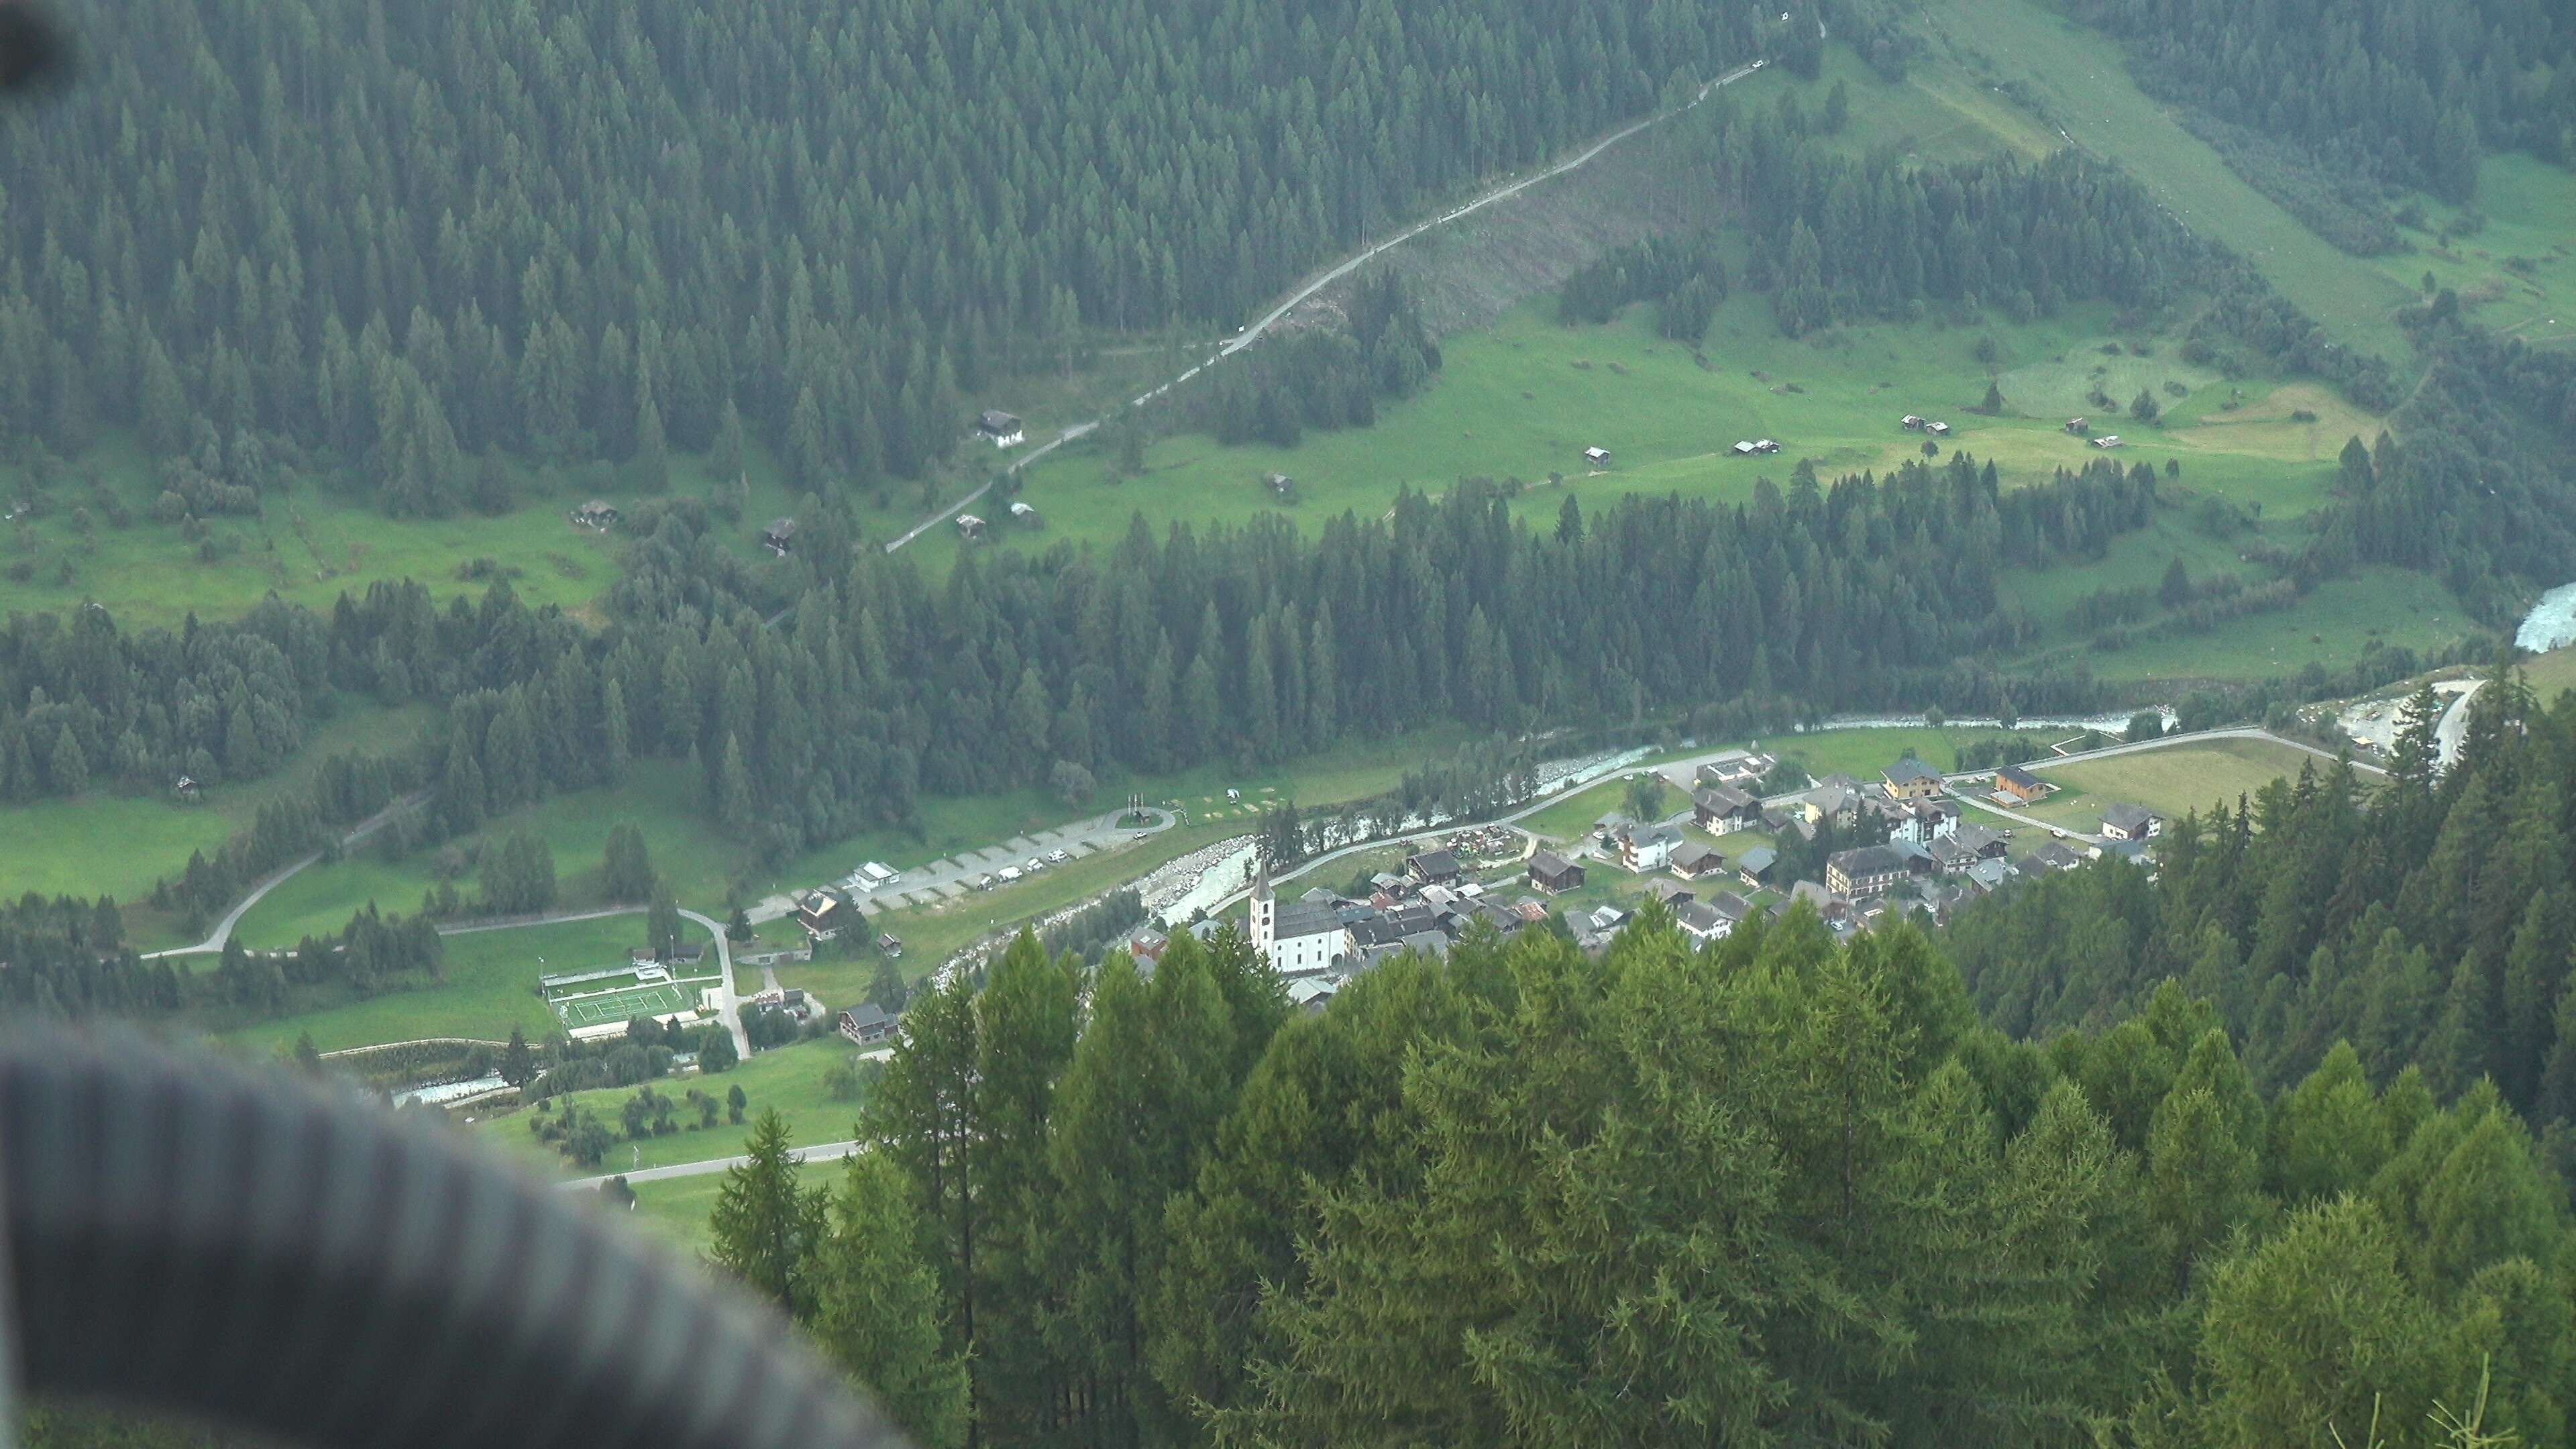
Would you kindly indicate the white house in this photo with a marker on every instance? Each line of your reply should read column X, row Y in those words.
column 1001, row 428
column 1647, row 848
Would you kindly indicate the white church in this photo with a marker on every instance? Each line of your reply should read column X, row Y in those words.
column 1297, row 938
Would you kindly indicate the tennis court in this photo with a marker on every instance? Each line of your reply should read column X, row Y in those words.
column 626, row 1005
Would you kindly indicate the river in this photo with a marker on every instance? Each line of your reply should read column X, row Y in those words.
column 2551, row 624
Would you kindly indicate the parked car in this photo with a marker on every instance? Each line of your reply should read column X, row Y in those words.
column 986, row 883
column 1057, row 857
column 1034, row 866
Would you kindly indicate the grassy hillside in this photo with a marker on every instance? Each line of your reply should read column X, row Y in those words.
column 1525, row 397
column 788, row 1078
column 2078, row 81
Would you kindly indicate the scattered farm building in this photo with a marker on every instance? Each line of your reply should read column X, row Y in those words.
column 598, row 513
column 1597, row 457
column 1021, row 512
column 778, row 536
column 1912, row 423
column 969, row 526
column 1281, row 486
column 1938, row 430
column 1003, row 429
column 2080, row 427
column 2107, row 440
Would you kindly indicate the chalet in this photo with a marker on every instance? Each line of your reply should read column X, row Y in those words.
column 2129, row 822
column 1646, row 848
column 1912, row 423
column 1950, row 857
column 1280, row 485
column 1554, row 874
column 1694, row 861
column 1988, row 875
column 2054, row 856
column 1867, row 871
column 2080, row 427
column 1003, row 429
column 186, row 786
column 890, row 943
column 1701, row 921
column 1938, row 430
column 2107, row 440
column 2019, row 784
column 1982, row 841
column 1432, row 867
column 1837, row 803
column 598, row 513
column 1911, row 779
column 866, row 1025
column 1597, row 457
column 1671, row 893
column 824, row 914
column 1021, row 512
column 1765, row 445
column 778, row 536
column 1755, row 866
column 969, row 526
column 1723, row 809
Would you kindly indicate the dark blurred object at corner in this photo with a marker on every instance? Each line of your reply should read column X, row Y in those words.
column 33, row 48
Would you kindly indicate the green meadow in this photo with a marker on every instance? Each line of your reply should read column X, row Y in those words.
column 788, row 1078
column 487, row 986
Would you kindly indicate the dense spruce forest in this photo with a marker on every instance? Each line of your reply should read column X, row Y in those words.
column 2409, row 92
column 384, row 239
column 1774, row 1192
column 2428, row 921
column 1257, row 644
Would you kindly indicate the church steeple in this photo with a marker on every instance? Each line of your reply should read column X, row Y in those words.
column 1264, row 909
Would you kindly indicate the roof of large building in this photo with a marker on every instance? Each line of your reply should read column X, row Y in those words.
column 1908, row 770
column 1867, row 860
column 1305, row 918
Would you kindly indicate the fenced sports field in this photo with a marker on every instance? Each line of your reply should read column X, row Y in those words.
column 600, row 1007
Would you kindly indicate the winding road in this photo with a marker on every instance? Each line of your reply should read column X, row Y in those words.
column 1249, row 335
column 826, row 1152
column 214, row 944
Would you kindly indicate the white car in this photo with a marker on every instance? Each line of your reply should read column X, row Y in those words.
column 1057, row 857
column 1010, row 873
column 1034, row 866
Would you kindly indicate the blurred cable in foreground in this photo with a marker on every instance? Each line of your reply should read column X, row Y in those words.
column 34, row 51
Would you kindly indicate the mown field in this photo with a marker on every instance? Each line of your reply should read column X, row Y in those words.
column 788, row 1078
column 2173, row 781
column 488, row 986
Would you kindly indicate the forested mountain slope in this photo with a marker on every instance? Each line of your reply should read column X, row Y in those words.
column 1776, row 1192
column 403, row 234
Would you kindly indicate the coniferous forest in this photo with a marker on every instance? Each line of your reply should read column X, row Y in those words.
column 1774, row 1192
column 385, row 239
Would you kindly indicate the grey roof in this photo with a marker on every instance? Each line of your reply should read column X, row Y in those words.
column 2056, row 856
column 1759, row 859
column 1990, row 873
column 1671, row 892
column 1908, row 770
column 1868, row 860
column 867, row 1014
column 1728, row 904
column 1428, row 943
column 1978, row 838
column 1549, row 863
column 2127, row 818
column 1699, row 918
column 1724, row 799
column 1305, row 918
column 995, row 421
column 1317, row 895
column 1433, row 862
column 2016, row 775
column 1691, row 855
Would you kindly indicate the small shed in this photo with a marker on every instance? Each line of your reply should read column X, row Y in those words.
column 2079, row 426
column 1765, row 445
column 1938, row 430
column 1912, row 423
column 1021, row 512
column 1280, row 485
column 598, row 513
column 969, row 526
column 890, row 943
column 1744, row 448
column 2107, row 440
column 1597, row 457
column 1001, row 428
column 186, row 786
column 778, row 536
